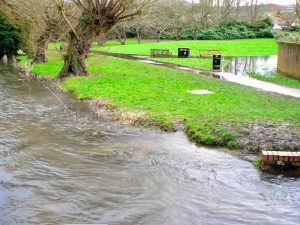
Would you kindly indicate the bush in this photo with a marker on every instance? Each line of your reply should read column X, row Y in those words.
column 293, row 37
column 10, row 39
column 264, row 33
column 228, row 30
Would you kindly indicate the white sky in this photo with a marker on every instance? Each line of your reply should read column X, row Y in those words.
column 279, row 2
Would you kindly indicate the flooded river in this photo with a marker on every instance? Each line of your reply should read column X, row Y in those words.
column 58, row 169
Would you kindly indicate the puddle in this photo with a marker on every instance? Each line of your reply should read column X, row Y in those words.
column 200, row 92
column 260, row 64
column 150, row 62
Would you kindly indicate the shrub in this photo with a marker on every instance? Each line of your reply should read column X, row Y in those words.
column 10, row 39
column 228, row 30
column 264, row 33
column 288, row 37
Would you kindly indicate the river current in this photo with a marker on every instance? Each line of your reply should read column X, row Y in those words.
column 57, row 168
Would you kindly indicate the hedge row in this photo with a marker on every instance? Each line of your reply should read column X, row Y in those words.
column 229, row 30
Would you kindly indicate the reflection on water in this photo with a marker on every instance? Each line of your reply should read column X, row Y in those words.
column 57, row 169
column 260, row 64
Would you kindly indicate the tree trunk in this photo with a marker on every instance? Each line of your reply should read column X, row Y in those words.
column 139, row 36
column 42, row 46
column 158, row 36
column 79, row 46
column 298, row 9
column 102, row 39
column 194, row 36
column 122, row 37
column 177, row 34
column 11, row 59
column 77, row 51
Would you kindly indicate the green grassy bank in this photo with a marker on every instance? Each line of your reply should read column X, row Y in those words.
column 244, row 47
column 162, row 93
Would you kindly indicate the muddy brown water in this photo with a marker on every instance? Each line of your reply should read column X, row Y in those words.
column 57, row 169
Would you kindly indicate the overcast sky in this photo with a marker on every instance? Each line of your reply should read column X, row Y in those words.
column 280, row 2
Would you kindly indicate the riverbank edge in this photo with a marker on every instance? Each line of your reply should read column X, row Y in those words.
column 243, row 147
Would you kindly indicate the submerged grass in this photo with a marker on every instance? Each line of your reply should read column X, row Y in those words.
column 204, row 63
column 276, row 78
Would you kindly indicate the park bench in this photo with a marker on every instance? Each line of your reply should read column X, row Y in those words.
column 286, row 157
column 160, row 53
column 209, row 53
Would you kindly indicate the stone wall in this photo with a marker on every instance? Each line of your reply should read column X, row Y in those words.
column 289, row 59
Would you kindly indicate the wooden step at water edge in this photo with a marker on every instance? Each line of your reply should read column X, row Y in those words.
column 274, row 156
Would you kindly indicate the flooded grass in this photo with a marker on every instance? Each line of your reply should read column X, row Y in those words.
column 275, row 77
column 202, row 63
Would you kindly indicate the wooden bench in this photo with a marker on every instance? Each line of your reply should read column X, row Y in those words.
column 275, row 156
column 209, row 53
column 160, row 53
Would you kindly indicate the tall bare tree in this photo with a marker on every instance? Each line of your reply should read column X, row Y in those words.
column 97, row 16
column 298, row 9
column 227, row 10
column 253, row 10
column 53, row 24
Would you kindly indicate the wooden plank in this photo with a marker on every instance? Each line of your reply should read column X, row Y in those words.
column 281, row 156
column 297, row 157
column 275, row 155
column 270, row 157
column 294, row 157
column 265, row 156
column 286, row 156
column 291, row 157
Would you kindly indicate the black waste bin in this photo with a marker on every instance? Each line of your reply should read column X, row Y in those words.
column 183, row 52
column 217, row 62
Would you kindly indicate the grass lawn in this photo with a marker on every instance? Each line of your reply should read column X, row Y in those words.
column 110, row 43
column 162, row 94
column 49, row 69
column 276, row 78
column 193, row 62
column 244, row 47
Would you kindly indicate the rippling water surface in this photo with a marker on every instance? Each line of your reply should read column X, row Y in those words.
column 57, row 169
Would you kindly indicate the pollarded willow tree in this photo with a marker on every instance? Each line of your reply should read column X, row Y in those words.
column 53, row 26
column 97, row 16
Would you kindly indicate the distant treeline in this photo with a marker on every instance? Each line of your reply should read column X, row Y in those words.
column 225, row 31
